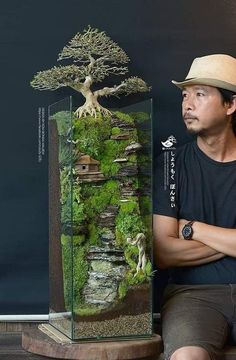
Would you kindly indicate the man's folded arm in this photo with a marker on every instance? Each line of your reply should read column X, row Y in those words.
column 172, row 251
column 219, row 238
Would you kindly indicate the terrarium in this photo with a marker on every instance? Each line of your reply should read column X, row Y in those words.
column 100, row 222
column 100, row 208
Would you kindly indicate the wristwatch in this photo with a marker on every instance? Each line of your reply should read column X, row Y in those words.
column 187, row 230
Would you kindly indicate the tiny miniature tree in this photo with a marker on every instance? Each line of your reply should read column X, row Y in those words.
column 98, row 57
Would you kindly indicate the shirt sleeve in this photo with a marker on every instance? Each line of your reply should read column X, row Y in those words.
column 164, row 189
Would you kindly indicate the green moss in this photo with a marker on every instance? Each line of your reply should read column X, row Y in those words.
column 65, row 182
column 129, row 207
column 148, row 269
column 133, row 158
column 122, row 290
column 78, row 239
column 72, row 203
column 110, row 169
column 131, row 256
column 140, row 116
column 115, row 131
column 139, row 278
column 129, row 222
column 112, row 150
column 80, row 273
column 84, row 310
column 71, row 210
column 130, row 225
column 119, row 238
column 79, row 215
column 145, row 205
column 90, row 134
column 144, row 159
column 67, row 269
column 63, row 120
column 65, row 155
column 75, row 239
column 65, row 240
column 96, row 199
column 93, row 234
column 124, row 117
column 112, row 186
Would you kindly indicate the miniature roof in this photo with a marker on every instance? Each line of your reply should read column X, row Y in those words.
column 86, row 159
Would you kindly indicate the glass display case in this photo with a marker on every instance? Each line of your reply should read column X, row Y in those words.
column 100, row 222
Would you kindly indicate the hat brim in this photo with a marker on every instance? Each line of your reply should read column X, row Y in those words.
column 205, row 81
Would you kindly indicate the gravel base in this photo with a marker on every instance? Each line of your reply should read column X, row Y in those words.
column 121, row 326
column 125, row 325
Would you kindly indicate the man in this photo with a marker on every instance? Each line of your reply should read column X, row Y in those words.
column 195, row 235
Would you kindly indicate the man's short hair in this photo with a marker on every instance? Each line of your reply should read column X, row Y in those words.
column 227, row 97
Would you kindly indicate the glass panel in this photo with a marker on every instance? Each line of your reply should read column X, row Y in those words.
column 106, row 228
column 112, row 246
column 60, row 216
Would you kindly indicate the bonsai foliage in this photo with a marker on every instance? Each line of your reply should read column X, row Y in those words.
column 95, row 56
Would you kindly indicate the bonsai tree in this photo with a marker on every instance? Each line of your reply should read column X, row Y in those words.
column 95, row 56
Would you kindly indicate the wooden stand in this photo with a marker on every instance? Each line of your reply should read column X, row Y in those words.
column 37, row 342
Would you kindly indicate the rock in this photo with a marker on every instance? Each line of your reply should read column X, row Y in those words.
column 128, row 190
column 106, row 254
column 132, row 148
column 108, row 222
column 105, row 257
column 108, row 237
column 97, row 249
column 107, row 217
column 115, row 122
column 120, row 160
column 107, row 269
column 120, row 137
column 90, row 177
column 100, row 291
column 130, row 170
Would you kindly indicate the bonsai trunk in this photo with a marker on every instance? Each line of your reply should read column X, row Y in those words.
column 91, row 105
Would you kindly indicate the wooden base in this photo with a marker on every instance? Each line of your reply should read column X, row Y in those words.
column 144, row 349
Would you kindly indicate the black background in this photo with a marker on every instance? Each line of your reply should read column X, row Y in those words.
column 161, row 39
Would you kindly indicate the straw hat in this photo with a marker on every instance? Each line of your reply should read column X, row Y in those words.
column 217, row 70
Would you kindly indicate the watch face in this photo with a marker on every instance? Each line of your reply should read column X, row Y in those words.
column 187, row 231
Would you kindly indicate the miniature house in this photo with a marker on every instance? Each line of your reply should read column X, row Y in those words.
column 87, row 169
column 86, row 164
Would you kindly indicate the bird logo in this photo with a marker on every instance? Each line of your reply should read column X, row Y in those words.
column 169, row 142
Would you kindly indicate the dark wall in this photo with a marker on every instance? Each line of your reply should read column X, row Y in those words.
column 161, row 38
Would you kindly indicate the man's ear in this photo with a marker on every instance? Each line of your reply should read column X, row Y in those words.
column 232, row 106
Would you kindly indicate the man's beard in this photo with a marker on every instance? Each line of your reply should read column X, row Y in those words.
column 193, row 131
column 197, row 132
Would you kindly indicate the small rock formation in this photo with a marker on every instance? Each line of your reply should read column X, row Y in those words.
column 123, row 160
column 128, row 190
column 129, row 170
column 115, row 122
column 108, row 238
column 120, row 137
column 132, row 148
column 107, row 217
column 107, row 269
